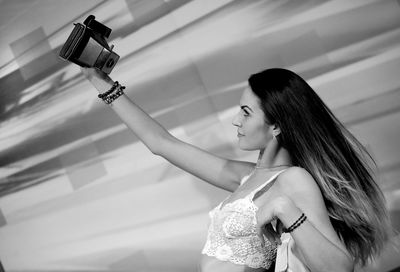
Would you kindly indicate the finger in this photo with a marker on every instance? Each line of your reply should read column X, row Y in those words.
column 272, row 235
column 259, row 230
column 268, row 232
column 96, row 72
column 279, row 227
column 83, row 70
column 278, row 240
column 275, row 235
column 87, row 72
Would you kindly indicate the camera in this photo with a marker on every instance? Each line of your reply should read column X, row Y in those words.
column 87, row 46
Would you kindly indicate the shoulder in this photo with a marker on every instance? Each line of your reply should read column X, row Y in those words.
column 300, row 187
column 297, row 180
column 295, row 176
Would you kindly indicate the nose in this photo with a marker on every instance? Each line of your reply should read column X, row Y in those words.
column 236, row 121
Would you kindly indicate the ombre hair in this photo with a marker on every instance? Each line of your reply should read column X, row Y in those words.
column 342, row 167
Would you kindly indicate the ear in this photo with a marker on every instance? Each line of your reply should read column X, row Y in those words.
column 276, row 131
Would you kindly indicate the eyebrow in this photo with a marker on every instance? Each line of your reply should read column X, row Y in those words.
column 244, row 107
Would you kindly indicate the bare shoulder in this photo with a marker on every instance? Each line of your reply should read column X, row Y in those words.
column 297, row 180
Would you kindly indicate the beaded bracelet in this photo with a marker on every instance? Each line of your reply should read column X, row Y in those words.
column 116, row 91
column 296, row 224
column 114, row 86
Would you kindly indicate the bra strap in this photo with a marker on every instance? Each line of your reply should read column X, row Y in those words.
column 245, row 178
column 254, row 192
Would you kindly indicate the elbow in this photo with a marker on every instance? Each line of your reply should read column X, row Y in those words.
column 344, row 268
column 159, row 145
column 337, row 268
column 155, row 149
column 345, row 265
column 154, row 152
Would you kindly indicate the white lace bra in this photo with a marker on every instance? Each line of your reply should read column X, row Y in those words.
column 232, row 234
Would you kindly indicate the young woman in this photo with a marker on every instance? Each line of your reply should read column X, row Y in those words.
column 310, row 203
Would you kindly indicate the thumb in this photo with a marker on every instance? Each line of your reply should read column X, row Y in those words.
column 271, row 234
column 260, row 234
column 279, row 227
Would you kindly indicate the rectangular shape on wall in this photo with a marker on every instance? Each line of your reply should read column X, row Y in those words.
column 33, row 53
column 83, row 165
column 3, row 221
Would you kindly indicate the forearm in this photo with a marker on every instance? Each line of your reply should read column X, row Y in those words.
column 148, row 130
column 319, row 253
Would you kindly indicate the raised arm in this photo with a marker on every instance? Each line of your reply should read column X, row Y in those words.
column 218, row 171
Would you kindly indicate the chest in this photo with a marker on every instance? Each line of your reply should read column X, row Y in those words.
column 255, row 186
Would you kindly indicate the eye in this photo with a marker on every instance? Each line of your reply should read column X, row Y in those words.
column 245, row 110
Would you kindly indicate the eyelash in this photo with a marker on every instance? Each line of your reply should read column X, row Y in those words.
column 246, row 113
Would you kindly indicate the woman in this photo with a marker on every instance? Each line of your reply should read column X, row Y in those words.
column 310, row 203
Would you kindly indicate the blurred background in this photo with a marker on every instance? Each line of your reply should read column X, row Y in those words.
column 78, row 192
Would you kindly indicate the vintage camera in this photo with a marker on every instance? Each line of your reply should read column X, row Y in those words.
column 87, row 46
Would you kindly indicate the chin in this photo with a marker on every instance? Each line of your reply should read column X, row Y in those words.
column 247, row 147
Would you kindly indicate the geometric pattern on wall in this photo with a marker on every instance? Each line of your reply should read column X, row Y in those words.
column 3, row 221
column 33, row 53
column 83, row 165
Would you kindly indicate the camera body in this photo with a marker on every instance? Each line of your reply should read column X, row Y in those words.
column 87, row 46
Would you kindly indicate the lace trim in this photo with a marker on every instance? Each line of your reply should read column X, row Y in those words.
column 232, row 236
column 257, row 260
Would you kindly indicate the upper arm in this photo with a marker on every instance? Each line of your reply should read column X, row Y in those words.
column 302, row 189
column 221, row 172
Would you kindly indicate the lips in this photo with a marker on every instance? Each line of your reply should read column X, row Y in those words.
column 240, row 134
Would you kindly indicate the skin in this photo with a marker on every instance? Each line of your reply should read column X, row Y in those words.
column 293, row 192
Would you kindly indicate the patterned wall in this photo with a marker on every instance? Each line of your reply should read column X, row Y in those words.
column 79, row 192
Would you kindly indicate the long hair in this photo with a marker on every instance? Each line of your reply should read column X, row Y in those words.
column 341, row 166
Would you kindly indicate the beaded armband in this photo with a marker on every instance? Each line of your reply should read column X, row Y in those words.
column 296, row 224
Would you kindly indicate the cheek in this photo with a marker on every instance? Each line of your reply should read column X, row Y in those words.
column 263, row 139
column 256, row 139
column 262, row 136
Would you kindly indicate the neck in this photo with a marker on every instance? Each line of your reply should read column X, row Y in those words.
column 273, row 157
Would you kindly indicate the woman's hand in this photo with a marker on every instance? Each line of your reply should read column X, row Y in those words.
column 267, row 213
column 91, row 73
column 100, row 80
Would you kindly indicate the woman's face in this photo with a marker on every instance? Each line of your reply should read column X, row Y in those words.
column 253, row 132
